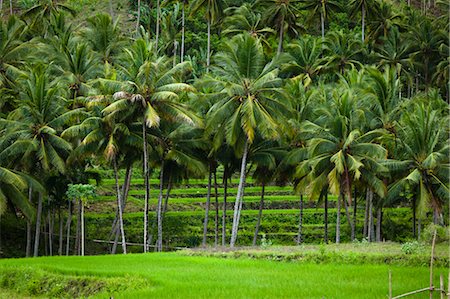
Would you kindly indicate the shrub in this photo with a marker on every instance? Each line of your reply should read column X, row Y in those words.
column 442, row 233
column 412, row 247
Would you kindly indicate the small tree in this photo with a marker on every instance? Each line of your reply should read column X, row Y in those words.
column 82, row 193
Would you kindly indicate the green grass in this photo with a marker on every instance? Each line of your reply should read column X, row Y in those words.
column 172, row 275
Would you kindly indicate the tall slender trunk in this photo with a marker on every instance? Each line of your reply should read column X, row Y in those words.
column 300, row 222
column 158, row 16
column 147, row 185
column 216, row 204
column 224, row 213
column 370, row 222
column 379, row 223
column 355, row 210
column 208, row 48
column 159, row 209
column 419, row 228
column 239, row 197
column 111, row 10
column 78, row 229
column 29, row 224
column 338, row 218
column 280, row 41
column 325, row 219
column 119, row 204
column 45, row 232
column 208, row 199
column 82, row 227
column 363, row 16
column 366, row 214
column 138, row 19
column 61, row 227
column 175, row 47
column 166, row 200
column 28, row 248
column 414, row 217
column 50, row 231
column 322, row 24
column 258, row 221
column 38, row 226
column 349, row 220
column 10, row 7
column 182, row 32
column 69, row 221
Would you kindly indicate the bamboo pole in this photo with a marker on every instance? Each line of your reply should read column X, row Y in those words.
column 431, row 264
column 441, row 286
column 390, row 284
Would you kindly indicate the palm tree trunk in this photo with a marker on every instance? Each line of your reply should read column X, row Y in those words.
column 300, row 222
column 349, row 220
column 419, row 228
column 366, row 214
column 147, row 185
column 239, row 196
column 158, row 16
column 414, row 217
column 61, row 227
column 175, row 46
column 355, row 211
column 216, row 218
column 338, row 219
column 208, row 48
column 50, row 231
column 363, row 16
column 325, row 220
column 208, row 198
column 166, row 200
column 258, row 222
column 111, row 10
column 322, row 24
column 28, row 248
column 280, row 40
column 82, row 227
column 159, row 209
column 77, row 233
column 10, row 7
column 182, row 32
column 138, row 19
column 224, row 213
column 69, row 221
column 119, row 204
column 38, row 226
column 379, row 222
column 370, row 222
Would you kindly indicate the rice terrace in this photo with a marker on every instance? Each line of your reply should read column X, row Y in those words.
column 224, row 149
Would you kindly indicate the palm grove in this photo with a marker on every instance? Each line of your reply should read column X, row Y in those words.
column 340, row 98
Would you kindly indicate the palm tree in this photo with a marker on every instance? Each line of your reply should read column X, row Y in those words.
column 213, row 10
column 283, row 16
column 244, row 19
column 341, row 151
column 383, row 19
column 423, row 158
column 153, row 90
column 366, row 7
column 249, row 102
column 324, row 8
column 32, row 135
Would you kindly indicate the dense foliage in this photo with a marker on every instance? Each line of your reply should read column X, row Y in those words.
column 340, row 98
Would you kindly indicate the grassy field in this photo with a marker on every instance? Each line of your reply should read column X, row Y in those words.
column 177, row 275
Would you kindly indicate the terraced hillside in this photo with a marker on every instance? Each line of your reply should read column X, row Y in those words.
column 184, row 217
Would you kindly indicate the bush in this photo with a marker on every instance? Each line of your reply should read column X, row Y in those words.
column 442, row 233
column 412, row 247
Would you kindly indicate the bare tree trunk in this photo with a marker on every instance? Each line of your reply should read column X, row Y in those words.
column 119, row 204
column 419, row 228
column 379, row 222
column 158, row 17
column 366, row 214
column 338, row 219
column 224, row 213
column 216, row 218
column 50, row 231
column 258, row 221
column 69, row 221
column 61, row 226
column 322, row 24
column 138, row 15
column 349, row 220
column 28, row 248
column 239, row 197
column 10, row 7
column 45, row 232
column 78, row 229
column 111, row 10
column 147, row 185
column 370, row 223
column 38, row 226
column 280, row 41
column 363, row 16
column 355, row 210
column 300, row 222
column 82, row 227
column 166, row 200
column 182, row 32
column 208, row 198
column 159, row 209
column 208, row 48
column 325, row 216
column 414, row 217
